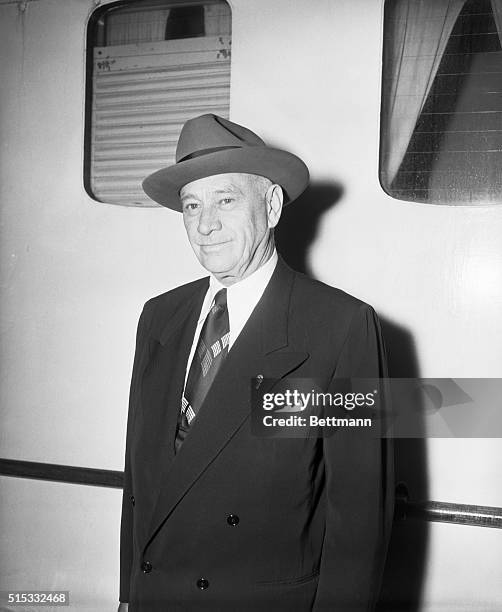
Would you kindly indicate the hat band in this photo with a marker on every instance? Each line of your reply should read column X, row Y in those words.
column 205, row 152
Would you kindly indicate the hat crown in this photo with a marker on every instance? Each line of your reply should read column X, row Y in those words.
column 210, row 133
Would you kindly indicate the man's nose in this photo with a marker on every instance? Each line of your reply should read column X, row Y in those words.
column 208, row 220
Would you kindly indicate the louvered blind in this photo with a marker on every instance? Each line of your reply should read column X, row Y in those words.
column 142, row 95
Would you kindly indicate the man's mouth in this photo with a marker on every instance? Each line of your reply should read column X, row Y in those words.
column 213, row 245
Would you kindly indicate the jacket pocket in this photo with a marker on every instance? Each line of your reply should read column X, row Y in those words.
column 290, row 581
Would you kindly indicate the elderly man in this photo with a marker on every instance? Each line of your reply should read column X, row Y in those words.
column 214, row 516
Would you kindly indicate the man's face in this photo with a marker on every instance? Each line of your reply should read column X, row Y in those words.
column 227, row 223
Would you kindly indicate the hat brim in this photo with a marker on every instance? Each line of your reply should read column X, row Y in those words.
column 281, row 167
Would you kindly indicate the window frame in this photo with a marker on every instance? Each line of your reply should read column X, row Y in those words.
column 92, row 23
column 478, row 196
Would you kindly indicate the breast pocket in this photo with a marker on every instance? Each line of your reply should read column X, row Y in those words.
column 312, row 576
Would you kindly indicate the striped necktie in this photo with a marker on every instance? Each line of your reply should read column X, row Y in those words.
column 211, row 350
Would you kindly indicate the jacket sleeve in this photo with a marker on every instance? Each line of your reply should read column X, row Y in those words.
column 359, row 487
column 126, row 525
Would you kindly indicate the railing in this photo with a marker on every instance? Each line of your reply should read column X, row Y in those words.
column 442, row 512
column 61, row 473
column 445, row 512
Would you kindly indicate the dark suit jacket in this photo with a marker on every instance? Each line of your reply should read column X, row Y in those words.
column 314, row 513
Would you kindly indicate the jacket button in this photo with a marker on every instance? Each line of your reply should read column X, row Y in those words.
column 202, row 583
column 133, row 501
column 233, row 519
column 146, row 567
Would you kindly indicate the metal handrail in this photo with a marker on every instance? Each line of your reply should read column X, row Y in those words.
column 445, row 512
column 61, row 473
column 441, row 512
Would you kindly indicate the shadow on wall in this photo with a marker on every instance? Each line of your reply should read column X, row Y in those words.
column 405, row 568
column 407, row 556
column 300, row 222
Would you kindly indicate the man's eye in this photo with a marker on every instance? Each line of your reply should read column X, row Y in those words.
column 226, row 200
column 190, row 206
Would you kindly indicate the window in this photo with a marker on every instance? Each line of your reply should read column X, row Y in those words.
column 441, row 128
column 151, row 66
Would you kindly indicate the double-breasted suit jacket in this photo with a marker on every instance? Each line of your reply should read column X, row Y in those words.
column 235, row 521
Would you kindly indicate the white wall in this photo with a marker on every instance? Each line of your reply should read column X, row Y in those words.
column 75, row 273
column 60, row 537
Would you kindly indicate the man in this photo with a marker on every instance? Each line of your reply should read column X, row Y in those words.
column 214, row 516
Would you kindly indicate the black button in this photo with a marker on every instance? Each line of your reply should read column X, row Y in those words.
column 233, row 519
column 146, row 567
column 202, row 583
column 133, row 501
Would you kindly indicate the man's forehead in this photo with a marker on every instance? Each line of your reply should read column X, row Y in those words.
column 231, row 181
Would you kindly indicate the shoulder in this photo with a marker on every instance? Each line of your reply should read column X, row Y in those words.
column 326, row 314
column 166, row 304
column 329, row 321
column 320, row 297
column 177, row 295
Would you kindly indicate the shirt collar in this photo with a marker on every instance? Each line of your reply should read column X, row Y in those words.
column 248, row 290
column 249, row 286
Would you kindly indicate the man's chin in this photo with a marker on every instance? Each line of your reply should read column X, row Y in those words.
column 215, row 264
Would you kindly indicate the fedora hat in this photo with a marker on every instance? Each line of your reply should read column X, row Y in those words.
column 210, row 145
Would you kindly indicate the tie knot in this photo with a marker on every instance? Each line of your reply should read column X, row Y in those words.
column 220, row 299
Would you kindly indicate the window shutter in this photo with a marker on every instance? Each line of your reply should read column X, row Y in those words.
column 142, row 95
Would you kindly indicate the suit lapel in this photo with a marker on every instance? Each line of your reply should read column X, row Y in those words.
column 161, row 382
column 261, row 348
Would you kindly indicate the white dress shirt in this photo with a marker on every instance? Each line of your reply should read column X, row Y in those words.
column 242, row 298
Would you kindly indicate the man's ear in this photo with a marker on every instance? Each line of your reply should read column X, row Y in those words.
column 274, row 199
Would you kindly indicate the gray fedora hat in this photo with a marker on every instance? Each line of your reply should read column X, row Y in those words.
column 210, row 145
